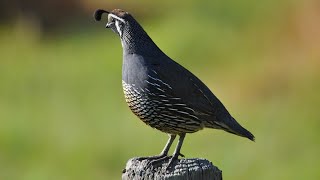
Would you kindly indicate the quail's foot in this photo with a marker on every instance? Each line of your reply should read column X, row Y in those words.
column 174, row 158
column 152, row 157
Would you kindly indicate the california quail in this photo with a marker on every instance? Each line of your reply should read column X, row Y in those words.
column 161, row 92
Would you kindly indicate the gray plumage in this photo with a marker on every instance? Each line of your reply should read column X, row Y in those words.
column 161, row 92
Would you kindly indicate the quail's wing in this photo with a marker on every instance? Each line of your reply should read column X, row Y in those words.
column 192, row 91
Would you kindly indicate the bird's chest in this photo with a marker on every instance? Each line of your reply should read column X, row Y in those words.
column 134, row 70
column 135, row 75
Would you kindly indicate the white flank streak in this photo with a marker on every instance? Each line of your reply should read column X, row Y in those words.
column 156, row 79
column 160, row 89
column 173, row 117
column 189, row 109
column 166, row 84
column 193, row 116
column 202, row 93
column 223, row 125
column 182, row 112
column 154, row 84
column 179, row 104
column 175, row 98
column 152, row 77
column 179, row 120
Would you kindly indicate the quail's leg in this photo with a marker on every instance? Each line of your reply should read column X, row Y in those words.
column 177, row 153
column 173, row 158
column 164, row 152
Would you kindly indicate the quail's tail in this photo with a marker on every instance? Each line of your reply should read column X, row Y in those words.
column 235, row 128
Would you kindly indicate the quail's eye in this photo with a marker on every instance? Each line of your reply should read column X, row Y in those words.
column 110, row 19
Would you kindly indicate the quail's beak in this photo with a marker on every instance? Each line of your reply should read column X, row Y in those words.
column 109, row 24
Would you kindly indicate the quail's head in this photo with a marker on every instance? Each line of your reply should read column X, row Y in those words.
column 118, row 20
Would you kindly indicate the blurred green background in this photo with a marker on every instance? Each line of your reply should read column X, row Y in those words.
column 62, row 110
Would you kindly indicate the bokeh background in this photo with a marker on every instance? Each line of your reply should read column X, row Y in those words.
column 62, row 111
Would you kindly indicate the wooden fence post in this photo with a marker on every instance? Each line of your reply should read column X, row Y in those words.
column 190, row 169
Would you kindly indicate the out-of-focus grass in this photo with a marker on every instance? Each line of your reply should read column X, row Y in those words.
column 63, row 115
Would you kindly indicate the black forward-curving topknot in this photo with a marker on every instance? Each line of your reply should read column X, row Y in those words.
column 98, row 13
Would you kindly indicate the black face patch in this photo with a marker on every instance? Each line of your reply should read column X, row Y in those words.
column 116, row 24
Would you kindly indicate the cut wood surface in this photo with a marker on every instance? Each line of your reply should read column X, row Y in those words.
column 191, row 169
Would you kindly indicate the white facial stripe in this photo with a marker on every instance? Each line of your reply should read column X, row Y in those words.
column 118, row 28
column 116, row 17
